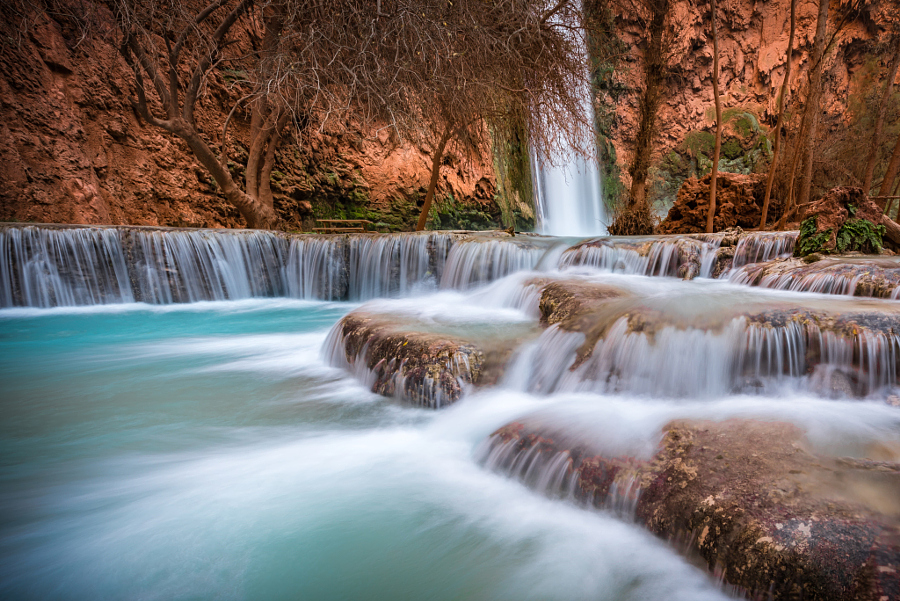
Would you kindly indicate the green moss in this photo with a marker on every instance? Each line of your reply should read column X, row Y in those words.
column 731, row 149
column 512, row 165
column 606, row 51
column 447, row 214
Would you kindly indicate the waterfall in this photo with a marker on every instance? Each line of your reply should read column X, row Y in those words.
column 686, row 258
column 316, row 268
column 396, row 265
column 475, row 262
column 190, row 266
column 41, row 267
column 695, row 362
column 757, row 247
column 568, row 195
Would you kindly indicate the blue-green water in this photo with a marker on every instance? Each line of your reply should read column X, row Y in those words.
column 207, row 452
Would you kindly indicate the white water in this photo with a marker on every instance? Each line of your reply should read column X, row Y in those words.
column 568, row 197
column 217, row 449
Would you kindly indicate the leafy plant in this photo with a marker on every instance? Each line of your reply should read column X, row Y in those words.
column 854, row 235
column 809, row 241
column 860, row 234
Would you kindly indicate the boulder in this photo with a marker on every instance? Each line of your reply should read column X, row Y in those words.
column 738, row 204
column 748, row 498
column 843, row 220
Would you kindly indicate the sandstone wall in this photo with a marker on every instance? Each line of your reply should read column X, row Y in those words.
column 752, row 56
column 73, row 151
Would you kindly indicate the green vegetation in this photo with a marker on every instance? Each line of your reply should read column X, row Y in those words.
column 447, row 214
column 854, row 235
column 861, row 235
column 606, row 51
column 512, row 164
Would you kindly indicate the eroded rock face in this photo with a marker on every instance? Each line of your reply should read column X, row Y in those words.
column 73, row 151
column 739, row 201
column 748, row 497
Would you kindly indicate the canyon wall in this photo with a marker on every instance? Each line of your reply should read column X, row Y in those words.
column 72, row 150
column 753, row 38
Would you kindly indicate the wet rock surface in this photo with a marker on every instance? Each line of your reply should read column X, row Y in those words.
column 749, row 498
column 427, row 369
column 408, row 362
column 877, row 277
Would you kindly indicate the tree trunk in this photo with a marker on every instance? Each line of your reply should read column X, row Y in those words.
column 891, row 229
column 887, row 184
column 254, row 212
column 710, row 215
column 778, row 125
column 655, row 74
column 811, row 111
column 875, row 147
column 435, row 171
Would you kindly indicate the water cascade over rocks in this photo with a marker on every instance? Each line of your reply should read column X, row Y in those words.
column 741, row 405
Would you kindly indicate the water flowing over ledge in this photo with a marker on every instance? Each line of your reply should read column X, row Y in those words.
column 53, row 265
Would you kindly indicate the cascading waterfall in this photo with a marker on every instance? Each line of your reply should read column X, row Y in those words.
column 568, row 195
column 391, row 265
column 316, row 268
column 757, row 247
column 41, row 267
column 71, row 266
column 141, row 439
column 686, row 258
column 178, row 267
column 477, row 262
column 695, row 362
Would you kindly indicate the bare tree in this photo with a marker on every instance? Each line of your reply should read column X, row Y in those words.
column 887, row 184
column 171, row 48
column 465, row 63
column 785, row 86
column 875, row 147
column 710, row 216
column 431, row 70
column 811, row 110
column 655, row 66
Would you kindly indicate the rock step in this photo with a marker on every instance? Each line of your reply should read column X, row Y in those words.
column 769, row 517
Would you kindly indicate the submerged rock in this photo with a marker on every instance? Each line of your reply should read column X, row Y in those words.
column 747, row 497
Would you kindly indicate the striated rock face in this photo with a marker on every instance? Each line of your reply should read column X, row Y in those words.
column 73, row 151
column 771, row 517
column 739, row 200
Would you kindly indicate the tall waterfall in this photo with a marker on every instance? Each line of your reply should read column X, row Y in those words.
column 568, row 197
column 568, row 194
